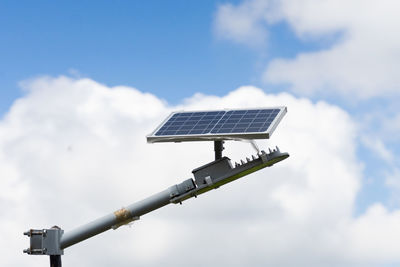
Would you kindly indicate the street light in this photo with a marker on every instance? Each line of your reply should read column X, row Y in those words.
column 216, row 126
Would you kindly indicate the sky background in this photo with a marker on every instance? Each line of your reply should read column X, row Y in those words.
column 82, row 84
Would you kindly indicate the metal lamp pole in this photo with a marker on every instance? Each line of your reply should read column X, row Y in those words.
column 53, row 241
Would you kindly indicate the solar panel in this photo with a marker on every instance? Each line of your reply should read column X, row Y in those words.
column 218, row 125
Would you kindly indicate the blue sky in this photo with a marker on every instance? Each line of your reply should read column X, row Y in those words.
column 168, row 49
column 339, row 58
column 164, row 48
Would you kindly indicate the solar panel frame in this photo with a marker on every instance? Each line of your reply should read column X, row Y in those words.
column 173, row 132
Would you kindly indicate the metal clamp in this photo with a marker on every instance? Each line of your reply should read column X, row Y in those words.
column 44, row 241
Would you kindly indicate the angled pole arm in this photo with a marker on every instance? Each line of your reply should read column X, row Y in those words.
column 125, row 215
column 207, row 177
column 221, row 171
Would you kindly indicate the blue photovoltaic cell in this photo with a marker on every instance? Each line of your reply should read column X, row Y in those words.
column 218, row 122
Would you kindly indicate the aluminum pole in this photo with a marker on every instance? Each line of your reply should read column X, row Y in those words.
column 53, row 241
column 116, row 219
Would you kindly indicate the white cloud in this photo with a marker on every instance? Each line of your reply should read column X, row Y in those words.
column 73, row 150
column 391, row 126
column 369, row 234
column 242, row 24
column 363, row 63
column 392, row 181
column 378, row 147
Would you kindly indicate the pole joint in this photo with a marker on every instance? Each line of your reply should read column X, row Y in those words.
column 44, row 241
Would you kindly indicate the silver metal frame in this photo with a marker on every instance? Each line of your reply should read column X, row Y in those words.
column 152, row 138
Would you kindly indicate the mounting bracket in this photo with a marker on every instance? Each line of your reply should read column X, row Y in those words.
column 44, row 241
